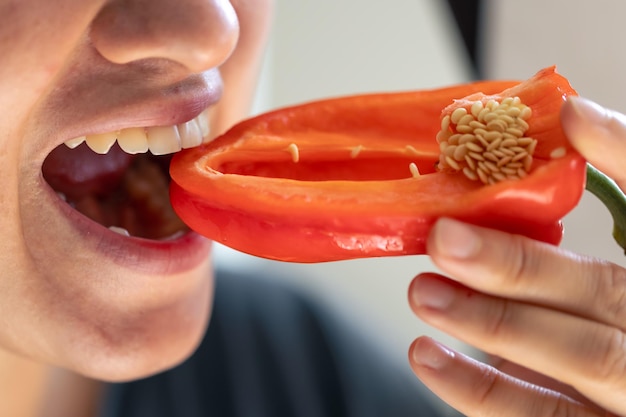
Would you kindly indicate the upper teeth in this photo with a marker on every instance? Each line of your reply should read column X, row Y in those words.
column 159, row 140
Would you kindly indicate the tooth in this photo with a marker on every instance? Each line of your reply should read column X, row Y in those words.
column 72, row 143
column 190, row 135
column 62, row 196
column 163, row 140
column 119, row 230
column 203, row 122
column 160, row 140
column 133, row 140
column 175, row 235
column 101, row 143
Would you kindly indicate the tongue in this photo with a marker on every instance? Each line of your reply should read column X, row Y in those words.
column 80, row 171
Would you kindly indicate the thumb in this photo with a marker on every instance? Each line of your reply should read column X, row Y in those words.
column 599, row 134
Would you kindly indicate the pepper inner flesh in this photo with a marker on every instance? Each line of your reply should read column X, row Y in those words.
column 374, row 167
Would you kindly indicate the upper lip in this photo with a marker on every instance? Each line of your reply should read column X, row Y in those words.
column 88, row 99
column 110, row 104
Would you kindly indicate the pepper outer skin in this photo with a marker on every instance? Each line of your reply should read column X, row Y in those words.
column 349, row 193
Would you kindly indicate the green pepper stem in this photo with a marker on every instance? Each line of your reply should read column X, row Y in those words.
column 613, row 198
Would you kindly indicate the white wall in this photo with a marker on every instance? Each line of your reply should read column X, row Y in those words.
column 332, row 47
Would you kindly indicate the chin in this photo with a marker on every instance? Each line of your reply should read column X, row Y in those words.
column 138, row 345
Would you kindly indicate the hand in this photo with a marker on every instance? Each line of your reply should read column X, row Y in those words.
column 558, row 317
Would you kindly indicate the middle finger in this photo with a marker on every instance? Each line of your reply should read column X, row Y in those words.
column 515, row 267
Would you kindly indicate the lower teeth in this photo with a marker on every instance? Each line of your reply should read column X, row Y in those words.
column 124, row 232
column 119, row 230
column 175, row 235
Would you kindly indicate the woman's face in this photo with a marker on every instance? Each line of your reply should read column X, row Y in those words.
column 75, row 291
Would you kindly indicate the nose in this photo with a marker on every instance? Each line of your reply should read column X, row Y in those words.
column 199, row 34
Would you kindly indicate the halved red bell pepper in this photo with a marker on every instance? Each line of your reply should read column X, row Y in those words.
column 330, row 180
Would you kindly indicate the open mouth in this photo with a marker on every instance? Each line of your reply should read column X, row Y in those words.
column 121, row 180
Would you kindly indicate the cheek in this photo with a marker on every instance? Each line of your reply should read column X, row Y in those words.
column 241, row 70
column 36, row 38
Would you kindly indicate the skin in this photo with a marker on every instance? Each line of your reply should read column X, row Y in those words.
column 66, row 309
column 553, row 319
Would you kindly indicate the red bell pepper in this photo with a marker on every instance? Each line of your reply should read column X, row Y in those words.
column 330, row 180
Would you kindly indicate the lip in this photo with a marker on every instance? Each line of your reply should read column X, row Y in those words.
column 174, row 104
column 142, row 107
column 145, row 256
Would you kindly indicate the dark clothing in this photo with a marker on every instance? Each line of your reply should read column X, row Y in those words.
column 271, row 352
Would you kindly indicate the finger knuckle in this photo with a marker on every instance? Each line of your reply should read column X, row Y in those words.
column 610, row 349
column 515, row 260
column 499, row 323
column 562, row 406
column 519, row 264
column 486, row 386
column 610, row 287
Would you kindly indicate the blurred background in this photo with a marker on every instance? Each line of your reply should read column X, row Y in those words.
column 329, row 48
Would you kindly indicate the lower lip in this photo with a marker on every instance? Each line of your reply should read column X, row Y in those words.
column 167, row 257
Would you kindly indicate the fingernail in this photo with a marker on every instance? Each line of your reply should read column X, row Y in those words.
column 430, row 354
column 433, row 293
column 589, row 110
column 455, row 239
